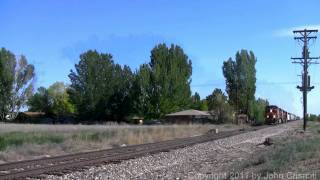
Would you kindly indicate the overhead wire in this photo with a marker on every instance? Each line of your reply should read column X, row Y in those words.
column 258, row 83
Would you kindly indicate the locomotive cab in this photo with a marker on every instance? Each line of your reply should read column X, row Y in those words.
column 276, row 115
column 272, row 115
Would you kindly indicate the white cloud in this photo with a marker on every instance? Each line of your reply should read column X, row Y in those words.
column 287, row 32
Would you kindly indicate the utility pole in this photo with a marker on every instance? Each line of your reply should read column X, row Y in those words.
column 305, row 36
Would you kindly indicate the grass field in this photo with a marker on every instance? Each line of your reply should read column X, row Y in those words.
column 298, row 153
column 28, row 141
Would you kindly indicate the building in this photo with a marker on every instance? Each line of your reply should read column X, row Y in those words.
column 30, row 117
column 188, row 117
column 43, row 118
column 241, row 119
column 137, row 120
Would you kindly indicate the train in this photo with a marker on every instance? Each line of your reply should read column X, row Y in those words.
column 276, row 115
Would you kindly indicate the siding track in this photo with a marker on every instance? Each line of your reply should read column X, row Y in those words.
column 79, row 161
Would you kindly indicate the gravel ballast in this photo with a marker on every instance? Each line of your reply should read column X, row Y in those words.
column 211, row 160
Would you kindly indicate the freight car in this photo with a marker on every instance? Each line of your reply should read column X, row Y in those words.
column 292, row 117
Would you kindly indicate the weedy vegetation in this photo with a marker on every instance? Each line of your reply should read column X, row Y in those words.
column 27, row 141
column 20, row 138
column 286, row 154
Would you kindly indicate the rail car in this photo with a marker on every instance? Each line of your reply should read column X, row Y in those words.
column 276, row 115
column 292, row 117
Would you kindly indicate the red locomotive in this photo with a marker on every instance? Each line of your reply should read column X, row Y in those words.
column 275, row 115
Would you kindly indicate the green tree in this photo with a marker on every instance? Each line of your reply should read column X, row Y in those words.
column 313, row 117
column 7, row 65
column 40, row 101
column 53, row 101
column 100, row 89
column 204, row 105
column 16, row 83
column 60, row 101
column 199, row 104
column 196, row 101
column 142, row 93
column 219, row 106
column 257, row 111
column 230, row 74
column 171, row 71
column 246, row 79
column 92, row 85
column 240, row 78
column 120, row 102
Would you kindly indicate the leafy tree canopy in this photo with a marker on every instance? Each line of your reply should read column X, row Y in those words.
column 171, row 71
column 54, row 101
column 100, row 89
column 219, row 106
column 240, row 78
column 16, row 83
column 257, row 110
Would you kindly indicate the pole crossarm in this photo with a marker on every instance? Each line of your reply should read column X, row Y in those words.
column 313, row 62
column 307, row 58
column 306, row 30
column 313, row 58
column 310, row 60
column 302, row 38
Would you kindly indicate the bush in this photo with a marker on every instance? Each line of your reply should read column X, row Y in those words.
column 313, row 117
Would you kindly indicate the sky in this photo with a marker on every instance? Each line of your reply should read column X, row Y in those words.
column 52, row 35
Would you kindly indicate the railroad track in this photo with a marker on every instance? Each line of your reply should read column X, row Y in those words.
column 74, row 162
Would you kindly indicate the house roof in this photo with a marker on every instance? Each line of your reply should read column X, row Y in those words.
column 33, row 114
column 136, row 118
column 190, row 112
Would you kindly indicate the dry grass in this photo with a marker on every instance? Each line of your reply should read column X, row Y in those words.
column 297, row 153
column 28, row 141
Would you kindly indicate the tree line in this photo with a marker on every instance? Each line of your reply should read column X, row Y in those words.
column 100, row 89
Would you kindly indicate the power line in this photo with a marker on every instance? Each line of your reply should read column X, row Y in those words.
column 258, row 83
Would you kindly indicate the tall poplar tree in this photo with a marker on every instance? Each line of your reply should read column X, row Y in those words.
column 142, row 93
column 171, row 71
column 16, row 83
column 240, row 78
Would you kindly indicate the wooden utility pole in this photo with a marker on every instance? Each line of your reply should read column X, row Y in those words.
column 305, row 36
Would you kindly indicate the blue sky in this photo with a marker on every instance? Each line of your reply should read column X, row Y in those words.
column 52, row 34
